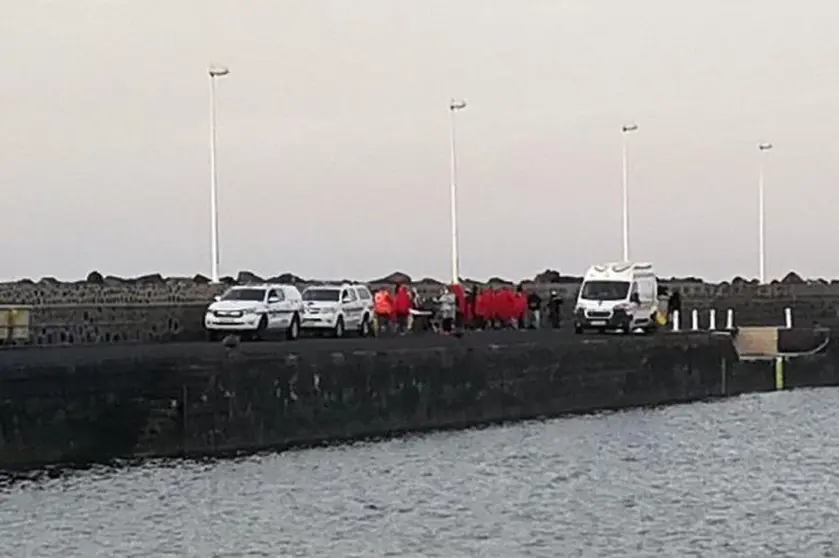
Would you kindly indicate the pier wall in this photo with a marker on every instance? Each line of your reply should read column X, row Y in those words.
column 94, row 403
column 171, row 310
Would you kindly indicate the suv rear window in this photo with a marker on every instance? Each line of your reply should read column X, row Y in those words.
column 363, row 293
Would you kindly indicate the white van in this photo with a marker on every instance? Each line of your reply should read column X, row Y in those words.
column 617, row 296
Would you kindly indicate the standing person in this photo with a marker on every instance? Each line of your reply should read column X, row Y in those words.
column 482, row 309
column 448, row 310
column 507, row 308
column 383, row 305
column 555, row 309
column 521, row 307
column 472, row 307
column 534, row 306
column 457, row 290
column 674, row 303
column 402, row 308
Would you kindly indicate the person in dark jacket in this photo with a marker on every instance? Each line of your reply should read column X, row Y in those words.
column 674, row 303
column 554, row 309
column 472, row 307
column 534, row 307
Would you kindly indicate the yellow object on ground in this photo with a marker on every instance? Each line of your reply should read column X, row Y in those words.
column 660, row 318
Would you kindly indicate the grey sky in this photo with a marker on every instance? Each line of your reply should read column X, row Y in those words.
column 332, row 105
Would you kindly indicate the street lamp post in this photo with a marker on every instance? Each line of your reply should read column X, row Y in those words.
column 454, row 106
column 763, row 148
column 625, row 131
column 215, row 72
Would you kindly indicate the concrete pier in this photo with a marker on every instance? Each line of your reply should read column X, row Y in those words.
column 95, row 403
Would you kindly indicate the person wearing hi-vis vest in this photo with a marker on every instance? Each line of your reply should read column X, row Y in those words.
column 384, row 308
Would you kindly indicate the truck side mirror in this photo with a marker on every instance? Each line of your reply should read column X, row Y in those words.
column 635, row 298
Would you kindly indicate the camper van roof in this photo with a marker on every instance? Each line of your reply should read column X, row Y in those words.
column 620, row 267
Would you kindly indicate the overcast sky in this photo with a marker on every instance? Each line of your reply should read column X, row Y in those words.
column 333, row 137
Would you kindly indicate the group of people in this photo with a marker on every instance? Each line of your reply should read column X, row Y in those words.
column 457, row 308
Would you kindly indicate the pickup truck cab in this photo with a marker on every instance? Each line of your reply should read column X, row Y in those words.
column 252, row 311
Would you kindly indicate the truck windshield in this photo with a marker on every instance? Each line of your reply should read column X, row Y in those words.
column 321, row 295
column 605, row 290
column 255, row 295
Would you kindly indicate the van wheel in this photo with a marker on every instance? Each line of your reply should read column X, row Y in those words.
column 212, row 336
column 293, row 331
column 364, row 329
column 578, row 329
column 339, row 328
column 259, row 333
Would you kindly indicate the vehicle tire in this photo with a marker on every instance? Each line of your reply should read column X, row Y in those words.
column 293, row 331
column 578, row 329
column 364, row 330
column 261, row 329
column 212, row 336
column 338, row 331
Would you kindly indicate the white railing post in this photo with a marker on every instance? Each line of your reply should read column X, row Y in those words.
column 694, row 319
column 729, row 319
column 675, row 320
column 712, row 319
column 788, row 317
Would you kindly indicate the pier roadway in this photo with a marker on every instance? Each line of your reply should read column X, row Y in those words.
column 28, row 357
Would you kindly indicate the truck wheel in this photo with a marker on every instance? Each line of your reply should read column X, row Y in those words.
column 259, row 333
column 578, row 329
column 339, row 328
column 364, row 329
column 293, row 331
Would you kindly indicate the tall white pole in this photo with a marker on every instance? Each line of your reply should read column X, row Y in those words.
column 762, row 148
column 214, row 72
column 454, row 106
column 625, row 131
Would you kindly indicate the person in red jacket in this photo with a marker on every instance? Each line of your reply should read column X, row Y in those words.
column 507, row 306
column 402, row 307
column 496, row 308
column 482, row 314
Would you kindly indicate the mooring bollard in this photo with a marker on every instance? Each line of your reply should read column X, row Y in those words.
column 729, row 319
column 675, row 320
column 694, row 320
column 712, row 319
column 788, row 317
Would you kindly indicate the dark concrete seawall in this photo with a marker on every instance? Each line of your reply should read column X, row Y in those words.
column 94, row 403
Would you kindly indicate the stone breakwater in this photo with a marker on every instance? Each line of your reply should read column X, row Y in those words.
column 95, row 403
column 154, row 309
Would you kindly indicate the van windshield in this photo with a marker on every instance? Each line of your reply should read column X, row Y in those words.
column 321, row 295
column 605, row 290
column 254, row 295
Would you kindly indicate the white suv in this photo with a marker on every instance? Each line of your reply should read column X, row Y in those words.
column 337, row 309
column 253, row 310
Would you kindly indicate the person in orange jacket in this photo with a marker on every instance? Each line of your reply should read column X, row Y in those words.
column 402, row 307
column 384, row 307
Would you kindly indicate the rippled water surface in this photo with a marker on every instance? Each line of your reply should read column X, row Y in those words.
column 752, row 476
